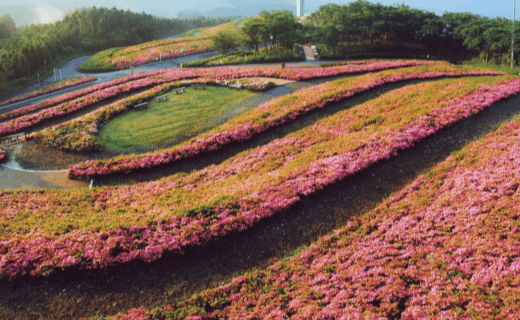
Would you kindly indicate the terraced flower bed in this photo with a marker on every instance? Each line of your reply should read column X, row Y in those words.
column 81, row 134
column 273, row 113
column 159, row 77
column 67, row 83
column 98, row 227
column 123, row 58
column 73, row 95
column 447, row 246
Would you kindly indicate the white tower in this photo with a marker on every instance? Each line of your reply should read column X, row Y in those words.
column 299, row 8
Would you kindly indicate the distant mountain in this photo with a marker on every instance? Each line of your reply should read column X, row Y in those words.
column 241, row 8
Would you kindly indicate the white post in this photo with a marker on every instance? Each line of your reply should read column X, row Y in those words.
column 38, row 78
column 91, row 182
column 160, row 56
column 61, row 76
column 54, row 74
column 513, row 36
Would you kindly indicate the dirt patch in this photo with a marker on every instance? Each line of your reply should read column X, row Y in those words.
column 35, row 156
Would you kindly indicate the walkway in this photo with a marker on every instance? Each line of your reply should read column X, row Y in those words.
column 309, row 55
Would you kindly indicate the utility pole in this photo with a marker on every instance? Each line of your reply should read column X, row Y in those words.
column 513, row 36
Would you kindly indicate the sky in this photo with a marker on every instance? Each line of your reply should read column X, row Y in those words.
column 45, row 11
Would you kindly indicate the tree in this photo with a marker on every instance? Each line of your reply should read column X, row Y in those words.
column 252, row 29
column 223, row 41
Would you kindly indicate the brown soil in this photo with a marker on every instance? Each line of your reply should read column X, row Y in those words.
column 36, row 156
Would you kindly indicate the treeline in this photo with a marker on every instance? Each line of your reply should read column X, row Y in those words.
column 25, row 49
column 361, row 25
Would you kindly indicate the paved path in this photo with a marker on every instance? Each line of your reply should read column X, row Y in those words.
column 309, row 55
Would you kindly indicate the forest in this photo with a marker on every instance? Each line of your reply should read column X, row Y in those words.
column 364, row 26
column 25, row 49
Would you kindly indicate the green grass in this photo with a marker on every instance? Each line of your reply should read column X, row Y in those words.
column 237, row 57
column 493, row 66
column 179, row 117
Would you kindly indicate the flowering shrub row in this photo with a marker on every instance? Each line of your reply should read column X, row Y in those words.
column 268, row 115
column 124, row 60
column 94, row 228
column 158, row 77
column 246, row 83
column 155, row 50
column 67, row 107
column 73, row 95
column 445, row 247
column 70, row 82
column 81, row 134
column 173, row 75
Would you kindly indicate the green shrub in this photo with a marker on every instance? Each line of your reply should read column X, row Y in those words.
column 99, row 61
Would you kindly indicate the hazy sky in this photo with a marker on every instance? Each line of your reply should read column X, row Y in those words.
column 42, row 11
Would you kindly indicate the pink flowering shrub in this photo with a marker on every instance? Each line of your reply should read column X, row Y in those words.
column 272, row 113
column 51, row 88
column 73, row 95
column 95, row 228
column 164, row 76
column 445, row 247
column 2, row 154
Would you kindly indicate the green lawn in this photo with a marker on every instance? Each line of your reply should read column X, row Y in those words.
column 172, row 120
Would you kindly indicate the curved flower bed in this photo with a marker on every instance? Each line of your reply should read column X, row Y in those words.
column 445, row 247
column 164, row 49
column 51, row 88
column 67, row 107
column 124, row 60
column 272, row 113
column 165, row 76
column 81, row 134
column 98, row 227
column 73, row 95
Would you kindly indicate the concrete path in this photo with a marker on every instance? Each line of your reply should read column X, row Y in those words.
column 309, row 55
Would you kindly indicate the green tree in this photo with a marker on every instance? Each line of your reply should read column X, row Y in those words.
column 252, row 30
column 223, row 41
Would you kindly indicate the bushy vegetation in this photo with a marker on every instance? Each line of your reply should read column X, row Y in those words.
column 195, row 41
column 244, row 57
column 28, row 49
column 361, row 29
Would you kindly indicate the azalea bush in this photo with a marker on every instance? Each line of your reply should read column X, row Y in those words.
column 272, row 113
column 95, row 228
column 445, row 247
column 73, row 95
column 124, row 58
column 164, row 76
column 70, row 82
column 250, row 84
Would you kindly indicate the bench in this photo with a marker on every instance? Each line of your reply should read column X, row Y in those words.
column 12, row 139
column 179, row 89
column 164, row 96
column 141, row 105
column 198, row 85
column 235, row 86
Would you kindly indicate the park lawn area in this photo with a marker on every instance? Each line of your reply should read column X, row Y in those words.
column 179, row 116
